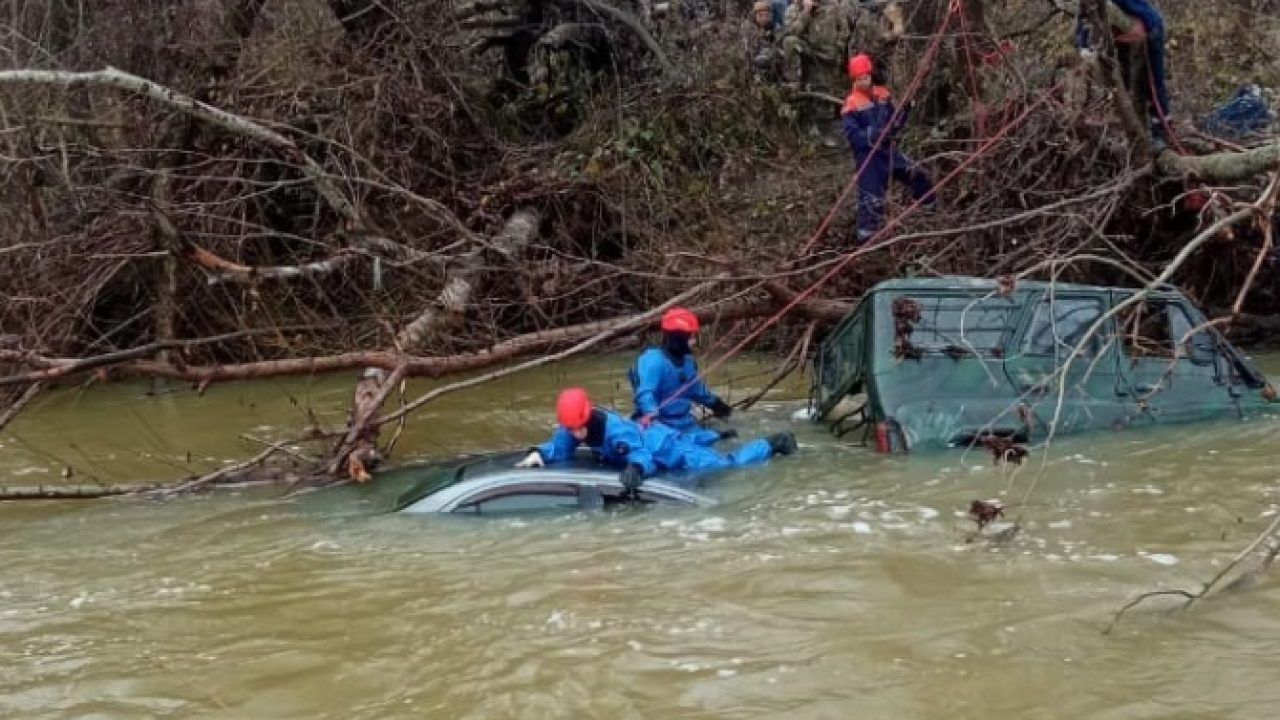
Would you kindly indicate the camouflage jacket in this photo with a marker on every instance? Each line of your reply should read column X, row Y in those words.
column 762, row 48
column 827, row 31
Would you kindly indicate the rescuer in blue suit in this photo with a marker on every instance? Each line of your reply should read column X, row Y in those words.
column 870, row 128
column 1142, row 32
column 666, row 384
column 641, row 452
column 1154, row 33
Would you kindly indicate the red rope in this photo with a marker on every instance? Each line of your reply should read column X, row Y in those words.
column 867, row 248
column 1155, row 102
column 925, row 65
column 979, row 109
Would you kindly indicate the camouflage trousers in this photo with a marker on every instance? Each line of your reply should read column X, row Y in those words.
column 817, row 72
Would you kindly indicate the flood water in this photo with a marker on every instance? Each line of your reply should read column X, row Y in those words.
column 833, row 584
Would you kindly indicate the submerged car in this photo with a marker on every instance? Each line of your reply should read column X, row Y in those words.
column 492, row 485
column 956, row 361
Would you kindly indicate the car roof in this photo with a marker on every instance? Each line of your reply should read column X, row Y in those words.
column 494, row 472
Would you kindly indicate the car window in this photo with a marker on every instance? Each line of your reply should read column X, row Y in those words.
column 529, row 497
column 613, row 495
column 1060, row 323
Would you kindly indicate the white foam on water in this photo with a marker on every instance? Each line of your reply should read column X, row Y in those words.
column 861, row 528
column 804, row 413
column 711, row 524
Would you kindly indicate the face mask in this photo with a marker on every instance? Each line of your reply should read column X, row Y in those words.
column 676, row 344
column 595, row 429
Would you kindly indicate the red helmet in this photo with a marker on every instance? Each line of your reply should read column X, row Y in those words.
column 573, row 408
column 678, row 319
column 860, row 66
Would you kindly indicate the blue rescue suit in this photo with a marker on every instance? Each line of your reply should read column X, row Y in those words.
column 654, row 449
column 656, row 378
column 866, row 117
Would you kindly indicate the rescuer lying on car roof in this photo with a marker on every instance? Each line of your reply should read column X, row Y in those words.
column 640, row 452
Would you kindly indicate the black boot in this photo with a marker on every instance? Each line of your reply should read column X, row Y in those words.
column 783, row 443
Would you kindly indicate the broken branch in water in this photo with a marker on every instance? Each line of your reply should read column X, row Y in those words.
column 12, row 412
column 1270, row 533
column 128, row 362
column 162, row 490
column 205, row 480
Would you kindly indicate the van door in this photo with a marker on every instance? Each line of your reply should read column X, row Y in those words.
column 1173, row 374
column 1058, row 324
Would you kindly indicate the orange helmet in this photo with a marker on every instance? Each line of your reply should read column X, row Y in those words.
column 679, row 319
column 573, row 408
column 860, row 66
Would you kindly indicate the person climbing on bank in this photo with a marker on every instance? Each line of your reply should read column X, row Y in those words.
column 870, row 128
column 640, row 452
column 665, row 382
column 1137, row 26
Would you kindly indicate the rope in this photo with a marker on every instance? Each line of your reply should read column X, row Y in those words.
column 1155, row 103
column 925, row 65
column 870, row 246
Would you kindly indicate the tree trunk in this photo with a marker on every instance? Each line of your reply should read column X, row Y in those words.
column 451, row 304
column 1224, row 167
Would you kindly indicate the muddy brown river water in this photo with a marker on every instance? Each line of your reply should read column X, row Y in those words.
column 835, row 584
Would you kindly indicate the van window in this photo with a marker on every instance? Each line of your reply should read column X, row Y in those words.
column 985, row 322
column 1060, row 323
column 1146, row 330
column 1200, row 346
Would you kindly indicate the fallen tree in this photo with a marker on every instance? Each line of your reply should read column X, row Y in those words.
column 385, row 192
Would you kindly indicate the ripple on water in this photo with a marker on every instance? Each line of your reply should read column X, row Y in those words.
column 831, row 583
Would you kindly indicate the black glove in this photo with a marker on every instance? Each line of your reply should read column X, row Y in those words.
column 728, row 433
column 631, row 478
column 720, row 409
